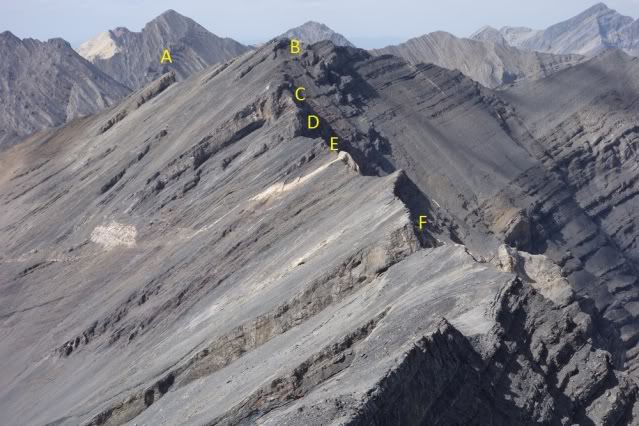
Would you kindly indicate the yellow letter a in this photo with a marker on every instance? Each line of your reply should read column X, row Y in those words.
column 313, row 122
column 295, row 47
column 166, row 57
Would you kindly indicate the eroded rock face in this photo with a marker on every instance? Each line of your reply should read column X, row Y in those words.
column 260, row 278
column 45, row 84
column 538, row 270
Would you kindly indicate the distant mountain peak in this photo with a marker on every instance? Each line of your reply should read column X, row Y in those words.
column 132, row 58
column 172, row 20
column 598, row 8
column 314, row 24
column 8, row 35
column 172, row 16
column 171, row 12
column 485, row 28
column 489, row 34
column 587, row 33
column 312, row 32
column 493, row 64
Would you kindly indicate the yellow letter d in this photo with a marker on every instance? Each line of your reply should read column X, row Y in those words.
column 313, row 122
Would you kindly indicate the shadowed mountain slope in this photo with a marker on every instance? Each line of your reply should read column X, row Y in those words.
column 197, row 256
column 45, row 84
column 491, row 64
column 133, row 58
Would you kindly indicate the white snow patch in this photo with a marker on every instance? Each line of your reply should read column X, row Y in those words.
column 114, row 235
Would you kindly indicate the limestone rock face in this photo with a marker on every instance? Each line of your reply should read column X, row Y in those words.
column 490, row 61
column 133, row 58
column 45, row 84
column 542, row 273
column 196, row 255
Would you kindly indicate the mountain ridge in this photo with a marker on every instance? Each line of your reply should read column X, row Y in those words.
column 489, row 63
column 181, row 288
column 587, row 33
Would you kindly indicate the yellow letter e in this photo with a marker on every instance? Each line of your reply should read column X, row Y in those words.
column 332, row 146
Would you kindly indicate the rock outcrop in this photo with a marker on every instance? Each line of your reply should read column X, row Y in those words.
column 205, row 259
column 133, row 58
column 45, row 84
column 490, row 62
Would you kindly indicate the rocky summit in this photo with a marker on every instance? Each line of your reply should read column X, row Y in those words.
column 313, row 32
column 197, row 255
column 45, row 84
column 133, row 58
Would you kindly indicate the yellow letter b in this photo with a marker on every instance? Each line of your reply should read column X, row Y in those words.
column 295, row 47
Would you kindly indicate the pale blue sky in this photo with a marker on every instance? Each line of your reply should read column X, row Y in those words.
column 366, row 23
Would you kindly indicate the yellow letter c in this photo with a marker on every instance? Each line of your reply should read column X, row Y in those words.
column 297, row 94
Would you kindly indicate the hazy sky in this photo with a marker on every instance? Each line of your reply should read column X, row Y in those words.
column 367, row 23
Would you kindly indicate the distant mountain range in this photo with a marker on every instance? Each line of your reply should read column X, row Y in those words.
column 489, row 63
column 45, row 84
column 133, row 58
column 588, row 33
